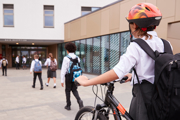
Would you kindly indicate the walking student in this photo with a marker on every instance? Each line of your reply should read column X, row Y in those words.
column 66, row 74
column 24, row 62
column 4, row 64
column 51, row 62
column 17, row 62
column 143, row 19
column 36, row 68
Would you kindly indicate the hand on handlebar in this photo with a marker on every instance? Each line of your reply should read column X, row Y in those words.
column 82, row 80
column 129, row 75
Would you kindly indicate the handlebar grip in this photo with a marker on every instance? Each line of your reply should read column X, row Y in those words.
column 76, row 83
column 123, row 79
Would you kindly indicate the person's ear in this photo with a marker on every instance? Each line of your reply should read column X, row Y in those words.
column 135, row 26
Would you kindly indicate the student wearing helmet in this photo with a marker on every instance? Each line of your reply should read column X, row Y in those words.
column 143, row 19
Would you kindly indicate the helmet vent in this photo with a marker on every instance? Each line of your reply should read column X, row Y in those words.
column 148, row 9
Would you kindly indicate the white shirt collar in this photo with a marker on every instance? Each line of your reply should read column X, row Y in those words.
column 71, row 54
column 153, row 33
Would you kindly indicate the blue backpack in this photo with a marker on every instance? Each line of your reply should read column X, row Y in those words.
column 37, row 67
column 74, row 68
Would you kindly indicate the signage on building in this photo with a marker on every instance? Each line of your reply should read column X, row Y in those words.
column 16, row 40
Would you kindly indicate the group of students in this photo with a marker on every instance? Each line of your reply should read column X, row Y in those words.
column 36, row 68
column 70, row 60
column 4, row 64
column 17, row 62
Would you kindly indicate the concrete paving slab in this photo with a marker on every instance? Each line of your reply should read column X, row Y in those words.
column 19, row 101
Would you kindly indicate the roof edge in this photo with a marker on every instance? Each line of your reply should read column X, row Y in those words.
column 94, row 11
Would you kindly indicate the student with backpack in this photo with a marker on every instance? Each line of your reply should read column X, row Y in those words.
column 4, row 64
column 151, row 58
column 36, row 67
column 51, row 62
column 69, row 71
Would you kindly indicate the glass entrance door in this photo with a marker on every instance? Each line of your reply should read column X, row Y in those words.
column 32, row 53
column 14, row 55
column 26, row 55
column 42, row 56
column 28, row 52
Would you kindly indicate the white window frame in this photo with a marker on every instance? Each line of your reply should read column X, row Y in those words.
column 8, row 14
column 48, row 15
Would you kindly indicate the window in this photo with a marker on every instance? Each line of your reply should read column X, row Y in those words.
column 48, row 16
column 86, row 10
column 3, row 50
column 8, row 13
column 94, row 8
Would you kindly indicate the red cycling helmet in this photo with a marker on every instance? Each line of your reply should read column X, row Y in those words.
column 144, row 15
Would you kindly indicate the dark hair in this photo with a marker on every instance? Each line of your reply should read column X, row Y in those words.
column 51, row 56
column 141, row 33
column 71, row 47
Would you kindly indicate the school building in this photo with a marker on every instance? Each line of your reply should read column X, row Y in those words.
column 102, row 36
column 37, row 26
column 97, row 27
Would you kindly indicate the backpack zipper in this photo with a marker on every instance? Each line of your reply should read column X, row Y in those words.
column 170, row 64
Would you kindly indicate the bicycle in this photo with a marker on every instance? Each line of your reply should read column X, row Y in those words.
column 102, row 111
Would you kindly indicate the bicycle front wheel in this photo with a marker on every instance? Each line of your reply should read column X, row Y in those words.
column 86, row 114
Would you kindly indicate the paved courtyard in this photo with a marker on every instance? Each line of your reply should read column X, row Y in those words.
column 19, row 101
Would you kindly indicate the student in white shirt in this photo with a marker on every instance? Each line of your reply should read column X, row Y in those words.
column 4, row 65
column 50, row 74
column 70, row 86
column 39, row 74
column 143, row 19
column 24, row 62
column 17, row 62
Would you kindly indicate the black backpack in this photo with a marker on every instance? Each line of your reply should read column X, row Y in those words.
column 74, row 70
column 166, row 98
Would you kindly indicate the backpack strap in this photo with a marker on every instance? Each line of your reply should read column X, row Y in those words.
column 69, row 57
column 167, row 47
column 145, row 47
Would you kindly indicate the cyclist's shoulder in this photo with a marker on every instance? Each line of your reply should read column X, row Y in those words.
column 133, row 46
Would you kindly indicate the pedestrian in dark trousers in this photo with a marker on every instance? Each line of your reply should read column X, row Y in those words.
column 4, row 64
column 69, row 84
column 17, row 62
column 36, row 67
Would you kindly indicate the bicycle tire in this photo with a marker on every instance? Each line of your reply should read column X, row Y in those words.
column 88, row 109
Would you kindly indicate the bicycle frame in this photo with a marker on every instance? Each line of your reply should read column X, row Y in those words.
column 113, row 103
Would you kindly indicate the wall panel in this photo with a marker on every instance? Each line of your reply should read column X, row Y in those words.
column 83, row 27
column 94, row 24
column 114, row 18
column 105, row 21
column 175, row 44
column 163, row 26
column 177, row 10
column 167, row 7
